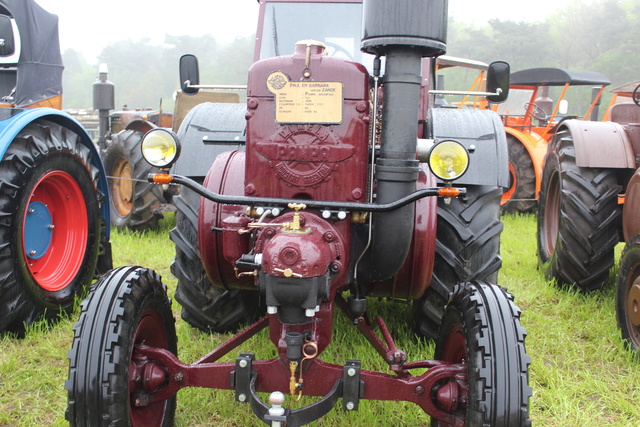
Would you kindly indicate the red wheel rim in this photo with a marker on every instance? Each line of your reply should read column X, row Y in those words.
column 455, row 347
column 507, row 195
column 151, row 332
column 58, row 266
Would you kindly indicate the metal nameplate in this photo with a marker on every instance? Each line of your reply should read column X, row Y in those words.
column 307, row 101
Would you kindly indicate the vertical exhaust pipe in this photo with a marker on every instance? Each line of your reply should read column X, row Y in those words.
column 104, row 102
column 404, row 32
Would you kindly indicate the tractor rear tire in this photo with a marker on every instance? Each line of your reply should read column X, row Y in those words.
column 521, row 196
column 467, row 248
column 204, row 306
column 628, row 294
column 481, row 328
column 579, row 219
column 135, row 202
column 128, row 306
column 51, row 227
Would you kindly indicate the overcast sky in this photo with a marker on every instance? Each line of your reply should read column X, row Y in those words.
column 90, row 25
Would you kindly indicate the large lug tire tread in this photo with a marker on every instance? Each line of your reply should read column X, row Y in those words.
column 98, row 393
column 467, row 248
column 523, row 198
column 628, row 294
column 42, row 147
column 583, row 203
column 495, row 353
column 147, row 198
column 204, row 306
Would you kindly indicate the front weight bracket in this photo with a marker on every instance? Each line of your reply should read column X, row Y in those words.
column 353, row 387
column 241, row 377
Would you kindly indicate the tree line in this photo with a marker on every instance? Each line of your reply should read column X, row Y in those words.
column 602, row 36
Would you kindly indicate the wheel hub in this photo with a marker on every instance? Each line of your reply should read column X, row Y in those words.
column 448, row 397
column 38, row 230
column 122, row 187
column 633, row 304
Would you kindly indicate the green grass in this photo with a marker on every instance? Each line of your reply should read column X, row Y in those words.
column 581, row 373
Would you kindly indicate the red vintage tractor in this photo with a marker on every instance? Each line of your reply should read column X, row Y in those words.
column 332, row 185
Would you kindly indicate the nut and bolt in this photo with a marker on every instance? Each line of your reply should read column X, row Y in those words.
column 351, row 372
column 350, row 406
column 243, row 363
column 242, row 397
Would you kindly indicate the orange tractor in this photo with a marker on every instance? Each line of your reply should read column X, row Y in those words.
column 531, row 118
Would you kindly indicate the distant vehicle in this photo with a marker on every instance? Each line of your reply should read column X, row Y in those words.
column 531, row 119
column 54, row 199
column 589, row 174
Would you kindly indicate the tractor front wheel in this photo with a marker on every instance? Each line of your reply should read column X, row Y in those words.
column 578, row 219
column 628, row 294
column 481, row 328
column 129, row 306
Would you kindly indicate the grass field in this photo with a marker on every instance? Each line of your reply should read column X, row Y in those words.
column 580, row 373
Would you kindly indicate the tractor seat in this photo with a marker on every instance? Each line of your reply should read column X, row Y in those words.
column 625, row 113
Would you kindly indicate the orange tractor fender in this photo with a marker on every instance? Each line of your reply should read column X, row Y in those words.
column 535, row 145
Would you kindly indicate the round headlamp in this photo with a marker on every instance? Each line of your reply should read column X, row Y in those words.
column 448, row 160
column 160, row 147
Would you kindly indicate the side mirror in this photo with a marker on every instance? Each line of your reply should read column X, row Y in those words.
column 7, row 39
column 189, row 74
column 563, row 107
column 498, row 75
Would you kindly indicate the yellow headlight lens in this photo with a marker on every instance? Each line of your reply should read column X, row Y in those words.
column 160, row 147
column 448, row 160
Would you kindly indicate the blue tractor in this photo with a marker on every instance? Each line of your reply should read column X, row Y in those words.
column 54, row 202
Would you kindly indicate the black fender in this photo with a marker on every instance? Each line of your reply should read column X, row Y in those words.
column 482, row 134
column 209, row 129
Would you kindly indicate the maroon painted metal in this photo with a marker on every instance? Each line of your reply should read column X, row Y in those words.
column 170, row 375
column 415, row 275
column 309, row 160
column 147, row 375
